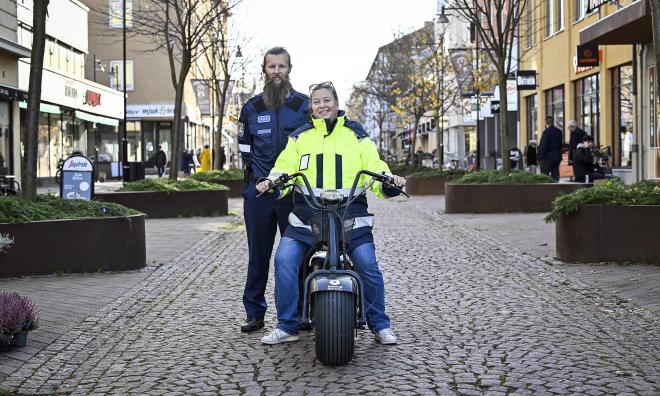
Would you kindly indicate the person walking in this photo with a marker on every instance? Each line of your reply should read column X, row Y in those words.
column 160, row 161
column 550, row 149
column 205, row 159
column 265, row 122
column 576, row 137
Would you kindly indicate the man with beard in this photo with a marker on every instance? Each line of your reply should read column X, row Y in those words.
column 265, row 122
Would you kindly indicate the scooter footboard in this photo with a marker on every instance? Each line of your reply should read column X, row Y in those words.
column 338, row 280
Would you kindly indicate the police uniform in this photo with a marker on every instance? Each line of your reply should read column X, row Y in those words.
column 263, row 134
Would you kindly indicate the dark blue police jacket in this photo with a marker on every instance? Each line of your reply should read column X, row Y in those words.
column 263, row 132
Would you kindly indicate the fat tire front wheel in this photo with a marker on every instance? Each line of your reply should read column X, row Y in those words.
column 334, row 327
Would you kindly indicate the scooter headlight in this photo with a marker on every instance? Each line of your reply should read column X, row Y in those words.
column 332, row 196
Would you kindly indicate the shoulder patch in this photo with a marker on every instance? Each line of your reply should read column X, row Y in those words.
column 304, row 127
column 357, row 128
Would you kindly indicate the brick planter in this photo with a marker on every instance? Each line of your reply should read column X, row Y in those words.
column 85, row 245
column 427, row 185
column 618, row 233
column 504, row 198
column 157, row 204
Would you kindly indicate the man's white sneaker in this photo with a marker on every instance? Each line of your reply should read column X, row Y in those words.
column 279, row 336
column 386, row 337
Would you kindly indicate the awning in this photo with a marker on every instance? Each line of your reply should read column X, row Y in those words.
column 629, row 25
column 14, row 48
column 43, row 107
column 97, row 119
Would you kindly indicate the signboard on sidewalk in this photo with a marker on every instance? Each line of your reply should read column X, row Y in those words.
column 77, row 178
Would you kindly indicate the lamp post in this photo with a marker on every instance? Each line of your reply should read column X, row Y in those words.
column 124, row 140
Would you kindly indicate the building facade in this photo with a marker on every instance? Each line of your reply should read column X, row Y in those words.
column 606, row 99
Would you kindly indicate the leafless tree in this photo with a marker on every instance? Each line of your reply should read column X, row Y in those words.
column 29, row 163
column 183, row 28
column 496, row 26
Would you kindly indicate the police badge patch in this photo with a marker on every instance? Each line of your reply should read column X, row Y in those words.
column 241, row 129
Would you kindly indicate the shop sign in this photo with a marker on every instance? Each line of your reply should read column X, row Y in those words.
column 150, row 111
column 92, row 98
column 70, row 92
column 77, row 178
column 594, row 5
column 201, row 88
column 13, row 94
column 494, row 107
column 587, row 55
column 525, row 79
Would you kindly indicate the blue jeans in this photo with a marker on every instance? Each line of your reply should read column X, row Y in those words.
column 288, row 259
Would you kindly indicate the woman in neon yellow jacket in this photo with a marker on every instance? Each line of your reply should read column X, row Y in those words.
column 329, row 150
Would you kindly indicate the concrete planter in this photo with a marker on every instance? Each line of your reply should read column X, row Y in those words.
column 157, row 204
column 427, row 185
column 236, row 186
column 618, row 233
column 84, row 245
column 504, row 198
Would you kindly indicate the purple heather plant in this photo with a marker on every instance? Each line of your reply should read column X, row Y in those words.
column 16, row 313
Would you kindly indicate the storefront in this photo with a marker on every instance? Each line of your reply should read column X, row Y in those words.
column 8, row 97
column 75, row 115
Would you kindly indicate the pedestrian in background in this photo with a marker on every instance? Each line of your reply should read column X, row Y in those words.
column 205, row 159
column 185, row 161
column 530, row 156
column 576, row 136
column 550, row 149
column 265, row 122
column 160, row 161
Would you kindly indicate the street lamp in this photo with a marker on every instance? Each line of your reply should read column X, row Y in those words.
column 442, row 18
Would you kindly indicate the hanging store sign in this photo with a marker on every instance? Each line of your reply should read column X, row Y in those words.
column 587, row 55
column 201, row 88
column 494, row 107
column 525, row 79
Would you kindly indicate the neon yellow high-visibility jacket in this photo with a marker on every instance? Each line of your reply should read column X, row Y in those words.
column 330, row 160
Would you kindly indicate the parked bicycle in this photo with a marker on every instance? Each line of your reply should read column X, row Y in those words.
column 9, row 186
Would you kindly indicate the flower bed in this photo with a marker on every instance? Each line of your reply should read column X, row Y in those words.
column 232, row 178
column 165, row 199
column 430, row 182
column 504, row 192
column 52, row 235
column 610, row 222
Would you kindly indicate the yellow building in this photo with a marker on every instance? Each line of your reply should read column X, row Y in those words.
column 601, row 99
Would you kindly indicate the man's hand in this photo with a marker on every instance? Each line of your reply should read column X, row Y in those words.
column 399, row 181
column 264, row 185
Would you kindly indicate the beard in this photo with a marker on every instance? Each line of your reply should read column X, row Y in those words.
column 275, row 93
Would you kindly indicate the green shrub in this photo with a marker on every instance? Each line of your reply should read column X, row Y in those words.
column 398, row 168
column 49, row 207
column 214, row 176
column 169, row 186
column 501, row 177
column 436, row 173
column 612, row 192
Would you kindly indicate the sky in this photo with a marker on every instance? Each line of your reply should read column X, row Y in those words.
column 331, row 40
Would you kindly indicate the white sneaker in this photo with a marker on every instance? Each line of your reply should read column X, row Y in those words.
column 386, row 337
column 279, row 336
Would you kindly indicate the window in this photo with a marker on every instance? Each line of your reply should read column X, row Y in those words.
column 579, row 9
column 529, row 24
column 116, row 75
column 532, row 117
column 554, row 16
column 554, row 105
column 587, row 105
column 623, row 119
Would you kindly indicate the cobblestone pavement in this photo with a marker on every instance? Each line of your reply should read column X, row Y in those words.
column 473, row 317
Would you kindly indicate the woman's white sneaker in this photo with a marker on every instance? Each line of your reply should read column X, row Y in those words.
column 386, row 337
column 279, row 336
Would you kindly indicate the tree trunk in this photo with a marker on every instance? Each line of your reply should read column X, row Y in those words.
column 504, row 121
column 177, row 134
column 413, row 140
column 221, row 115
column 439, row 137
column 29, row 163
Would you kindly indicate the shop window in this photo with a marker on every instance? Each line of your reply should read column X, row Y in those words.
column 43, row 165
column 5, row 141
column 134, row 138
column 55, row 142
column 532, row 106
column 654, row 125
column 554, row 105
column 623, row 120
column 587, row 105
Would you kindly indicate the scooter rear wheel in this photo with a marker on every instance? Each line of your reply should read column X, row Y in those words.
column 334, row 327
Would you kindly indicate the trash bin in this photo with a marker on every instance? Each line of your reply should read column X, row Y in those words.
column 134, row 172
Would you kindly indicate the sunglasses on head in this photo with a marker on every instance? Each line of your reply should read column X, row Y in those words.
column 327, row 84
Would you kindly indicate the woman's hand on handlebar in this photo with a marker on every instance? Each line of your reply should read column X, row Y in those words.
column 264, row 186
column 399, row 181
